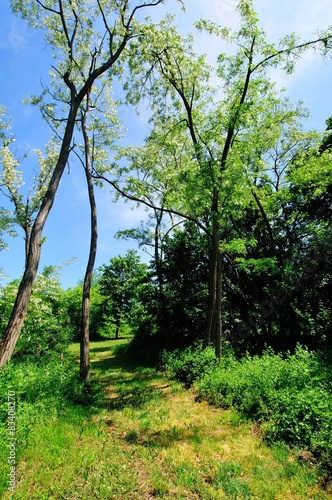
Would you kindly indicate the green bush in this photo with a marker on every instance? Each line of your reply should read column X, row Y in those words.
column 46, row 328
column 290, row 396
column 33, row 396
column 44, row 390
column 190, row 364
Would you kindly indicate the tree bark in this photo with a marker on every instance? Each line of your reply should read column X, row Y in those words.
column 211, row 298
column 85, row 327
column 162, row 304
column 20, row 308
column 19, row 311
column 218, row 308
column 213, row 271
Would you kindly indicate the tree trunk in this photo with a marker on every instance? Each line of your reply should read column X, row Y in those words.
column 162, row 304
column 20, row 308
column 213, row 330
column 218, row 308
column 27, row 232
column 211, row 298
column 85, row 330
column 213, row 271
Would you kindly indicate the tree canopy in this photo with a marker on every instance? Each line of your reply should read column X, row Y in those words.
column 227, row 169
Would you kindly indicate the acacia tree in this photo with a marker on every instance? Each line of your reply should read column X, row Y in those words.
column 87, row 40
column 98, row 137
column 141, row 182
column 207, row 130
column 26, row 206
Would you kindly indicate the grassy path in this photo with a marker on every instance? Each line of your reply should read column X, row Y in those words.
column 154, row 440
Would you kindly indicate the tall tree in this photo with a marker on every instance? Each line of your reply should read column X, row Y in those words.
column 87, row 40
column 98, row 135
column 85, row 336
column 204, row 131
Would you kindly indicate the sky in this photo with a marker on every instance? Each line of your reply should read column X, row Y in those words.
column 24, row 62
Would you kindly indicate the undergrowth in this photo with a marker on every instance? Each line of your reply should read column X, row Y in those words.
column 288, row 395
column 151, row 440
column 190, row 364
column 40, row 393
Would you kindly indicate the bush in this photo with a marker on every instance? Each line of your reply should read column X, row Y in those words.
column 290, row 396
column 190, row 364
column 46, row 327
column 44, row 391
column 39, row 394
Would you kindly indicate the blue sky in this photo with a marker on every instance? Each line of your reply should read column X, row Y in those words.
column 24, row 61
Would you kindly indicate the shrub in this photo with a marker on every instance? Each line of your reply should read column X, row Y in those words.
column 44, row 390
column 190, row 364
column 46, row 327
column 290, row 396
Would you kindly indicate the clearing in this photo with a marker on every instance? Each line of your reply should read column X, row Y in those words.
column 154, row 440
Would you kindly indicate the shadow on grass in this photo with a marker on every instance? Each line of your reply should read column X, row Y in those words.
column 128, row 383
column 167, row 437
column 121, row 363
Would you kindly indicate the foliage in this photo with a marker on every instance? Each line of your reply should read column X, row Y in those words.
column 7, row 224
column 156, row 440
column 25, row 202
column 72, row 307
column 190, row 364
column 176, row 299
column 47, row 327
column 44, row 390
column 185, row 284
column 123, row 284
column 290, row 396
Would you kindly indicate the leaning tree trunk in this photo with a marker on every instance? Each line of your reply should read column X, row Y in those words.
column 85, row 327
column 20, row 308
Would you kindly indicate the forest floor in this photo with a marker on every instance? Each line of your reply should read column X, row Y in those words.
column 154, row 440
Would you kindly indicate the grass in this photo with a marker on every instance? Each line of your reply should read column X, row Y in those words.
column 154, row 440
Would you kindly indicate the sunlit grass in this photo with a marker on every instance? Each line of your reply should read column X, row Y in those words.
column 154, row 440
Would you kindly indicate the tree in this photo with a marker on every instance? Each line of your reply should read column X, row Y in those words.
column 47, row 330
column 205, row 132
column 121, row 284
column 98, row 137
column 25, row 206
column 87, row 40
